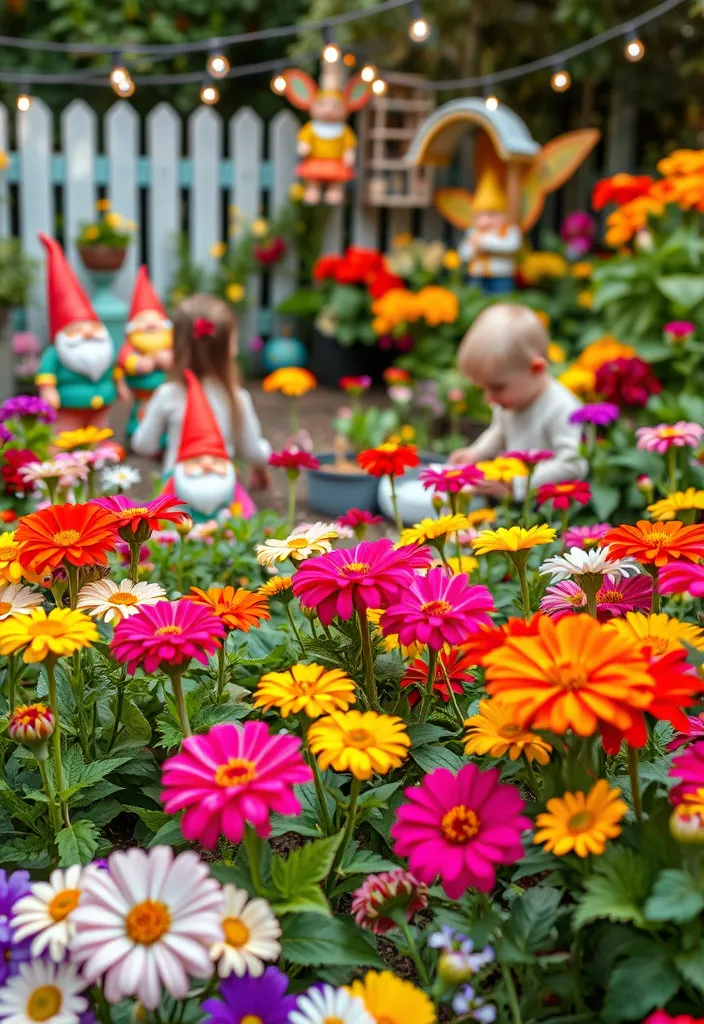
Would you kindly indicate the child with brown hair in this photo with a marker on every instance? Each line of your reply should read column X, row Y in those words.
column 206, row 416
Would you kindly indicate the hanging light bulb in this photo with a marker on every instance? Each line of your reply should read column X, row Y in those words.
column 634, row 50
column 419, row 29
column 209, row 94
column 118, row 74
column 278, row 83
column 349, row 60
column 491, row 102
column 125, row 87
column 24, row 102
column 217, row 65
column 561, row 80
column 379, row 86
column 368, row 73
column 331, row 51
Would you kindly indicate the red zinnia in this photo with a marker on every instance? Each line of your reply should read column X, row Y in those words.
column 382, row 282
column 451, row 671
column 355, row 385
column 293, row 460
column 270, row 252
column 77, row 534
column 562, row 495
column 627, row 382
column 326, row 267
column 14, row 460
column 676, row 687
column 620, row 189
column 389, row 459
column 126, row 512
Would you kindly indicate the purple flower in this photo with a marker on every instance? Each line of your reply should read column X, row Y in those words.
column 600, row 413
column 262, row 999
column 5, row 434
column 27, row 405
column 12, row 888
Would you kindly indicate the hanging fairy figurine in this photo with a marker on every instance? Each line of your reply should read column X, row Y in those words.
column 326, row 143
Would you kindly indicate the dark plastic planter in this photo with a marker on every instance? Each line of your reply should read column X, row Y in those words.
column 332, row 494
column 330, row 361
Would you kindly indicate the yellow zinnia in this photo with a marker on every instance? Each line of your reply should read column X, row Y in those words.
column 433, row 529
column 535, row 266
column 451, row 260
column 295, row 192
column 581, row 822
column 292, row 381
column 680, row 501
column 585, row 299
column 579, row 380
column 59, row 633
column 113, row 220
column 476, row 516
column 234, row 292
column 464, row 564
column 277, row 586
column 84, row 437
column 359, row 742
column 10, row 568
column 391, row 1000
column 493, row 730
column 660, row 632
column 515, row 538
column 504, row 469
column 312, row 689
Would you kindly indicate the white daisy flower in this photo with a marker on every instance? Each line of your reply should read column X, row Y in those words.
column 18, row 600
column 121, row 478
column 251, row 931
column 107, row 601
column 316, row 540
column 148, row 921
column 595, row 561
column 44, row 992
column 48, row 912
column 321, row 1005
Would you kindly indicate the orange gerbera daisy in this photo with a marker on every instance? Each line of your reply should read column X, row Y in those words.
column 488, row 638
column 389, row 459
column 236, row 608
column 76, row 534
column 656, row 543
column 574, row 674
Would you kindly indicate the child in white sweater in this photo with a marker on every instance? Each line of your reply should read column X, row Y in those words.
column 506, row 354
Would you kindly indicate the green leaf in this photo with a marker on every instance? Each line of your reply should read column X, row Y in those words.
column 684, row 290
column 639, row 985
column 366, row 862
column 136, row 725
column 309, row 939
column 617, row 889
column 154, row 820
column 528, row 930
column 604, row 500
column 422, row 733
column 91, row 773
column 298, row 876
column 168, row 835
column 675, row 897
column 434, row 755
column 77, row 843
column 691, row 966
column 379, row 796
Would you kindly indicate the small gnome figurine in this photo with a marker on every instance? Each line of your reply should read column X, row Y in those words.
column 146, row 354
column 326, row 142
column 491, row 244
column 77, row 372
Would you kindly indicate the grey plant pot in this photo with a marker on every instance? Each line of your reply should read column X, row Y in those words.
column 332, row 494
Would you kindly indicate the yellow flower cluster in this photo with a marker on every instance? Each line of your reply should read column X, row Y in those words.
column 399, row 306
column 537, row 266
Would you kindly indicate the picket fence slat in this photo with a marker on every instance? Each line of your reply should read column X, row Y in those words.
column 79, row 127
column 247, row 150
column 283, row 133
column 163, row 210
column 122, row 145
column 35, row 133
column 205, row 209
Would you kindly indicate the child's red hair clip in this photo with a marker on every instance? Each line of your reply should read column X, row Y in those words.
column 203, row 328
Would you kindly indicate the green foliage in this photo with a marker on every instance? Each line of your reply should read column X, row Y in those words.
column 617, row 889
column 17, row 273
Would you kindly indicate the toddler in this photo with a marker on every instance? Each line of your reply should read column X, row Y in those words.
column 204, row 414
column 505, row 354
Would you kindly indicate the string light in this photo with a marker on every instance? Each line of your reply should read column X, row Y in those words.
column 24, row 102
column 491, row 102
column 217, row 66
column 331, row 51
column 118, row 74
column 634, row 49
column 278, row 84
column 368, row 73
column 209, row 94
column 125, row 87
column 419, row 29
column 561, row 80
column 349, row 60
column 379, row 87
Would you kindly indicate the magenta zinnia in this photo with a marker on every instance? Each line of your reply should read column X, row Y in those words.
column 689, row 769
column 438, row 609
column 460, row 827
column 293, row 460
column 167, row 635
column 450, row 479
column 616, row 597
column 233, row 775
column 371, row 575
column 381, row 894
column 166, row 508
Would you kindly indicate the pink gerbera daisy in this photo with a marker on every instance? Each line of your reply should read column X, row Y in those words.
column 371, row 575
column 530, row 456
column 659, row 439
column 167, row 635
column 450, row 479
column 129, row 513
column 682, row 578
column 460, row 827
column 585, row 536
column 233, row 775
column 438, row 609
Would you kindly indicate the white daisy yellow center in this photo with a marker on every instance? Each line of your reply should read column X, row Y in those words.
column 44, row 1003
column 63, row 903
column 122, row 597
column 147, row 922
column 236, row 932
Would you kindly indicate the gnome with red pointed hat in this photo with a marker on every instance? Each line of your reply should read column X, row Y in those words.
column 146, row 354
column 77, row 371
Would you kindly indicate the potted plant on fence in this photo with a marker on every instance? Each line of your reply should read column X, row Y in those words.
column 102, row 244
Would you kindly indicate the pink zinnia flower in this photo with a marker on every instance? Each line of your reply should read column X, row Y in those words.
column 662, row 1017
column 562, row 598
column 460, row 827
column 293, row 460
column 167, row 635
column 659, row 439
column 585, row 536
column 438, row 609
column 689, row 769
column 562, row 495
column 616, row 597
column 682, row 578
column 380, row 894
column 359, row 517
column 530, row 456
column 371, row 575
column 450, row 479
column 696, row 732
column 233, row 775
column 130, row 514
column 679, row 329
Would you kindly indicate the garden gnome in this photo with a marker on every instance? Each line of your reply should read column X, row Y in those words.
column 492, row 243
column 146, row 354
column 326, row 143
column 77, row 371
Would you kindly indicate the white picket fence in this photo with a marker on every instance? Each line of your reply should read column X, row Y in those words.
column 143, row 171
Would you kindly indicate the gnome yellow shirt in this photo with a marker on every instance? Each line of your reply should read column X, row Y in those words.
column 332, row 148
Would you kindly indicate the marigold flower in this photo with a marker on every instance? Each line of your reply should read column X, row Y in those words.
column 502, row 469
column 656, row 543
column 31, row 723
column 564, row 494
column 581, row 822
column 493, row 731
column 437, row 609
column 167, row 635
column 388, row 459
column 359, row 742
column 663, row 437
column 658, row 633
column 429, row 530
column 312, row 689
column 515, row 538
column 392, row 1000
column 73, row 534
column 292, row 381
column 39, row 635
column 537, row 266
column 235, row 607
column 674, row 504
column 380, row 894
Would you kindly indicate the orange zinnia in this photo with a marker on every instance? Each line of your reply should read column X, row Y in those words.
column 572, row 675
column 388, row 459
column 236, row 608
column 656, row 543
column 76, row 534
column 488, row 638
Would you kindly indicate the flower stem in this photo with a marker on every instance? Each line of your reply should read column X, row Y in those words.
column 394, row 503
column 400, row 918
column 11, row 681
column 58, row 766
column 54, row 811
column 532, row 777
column 672, row 468
column 295, row 628
column 355, row 788
column 527, row 503
column 635, row 781
column 367, row 659
column 513, row 1003
column 134, row 561
column 317, row 780
column 251, row 846
column 429, row 686
column 179, row 564
column 591, row 583
column 181, row 703
column 221, row 672
column 292, row 488
column 72, row 574
column 520, row 566
column 656, row 604
column 118, row 711
column 565, row 520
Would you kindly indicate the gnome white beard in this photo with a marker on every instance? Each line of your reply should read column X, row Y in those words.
column 89, row 357
column 205, row 492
